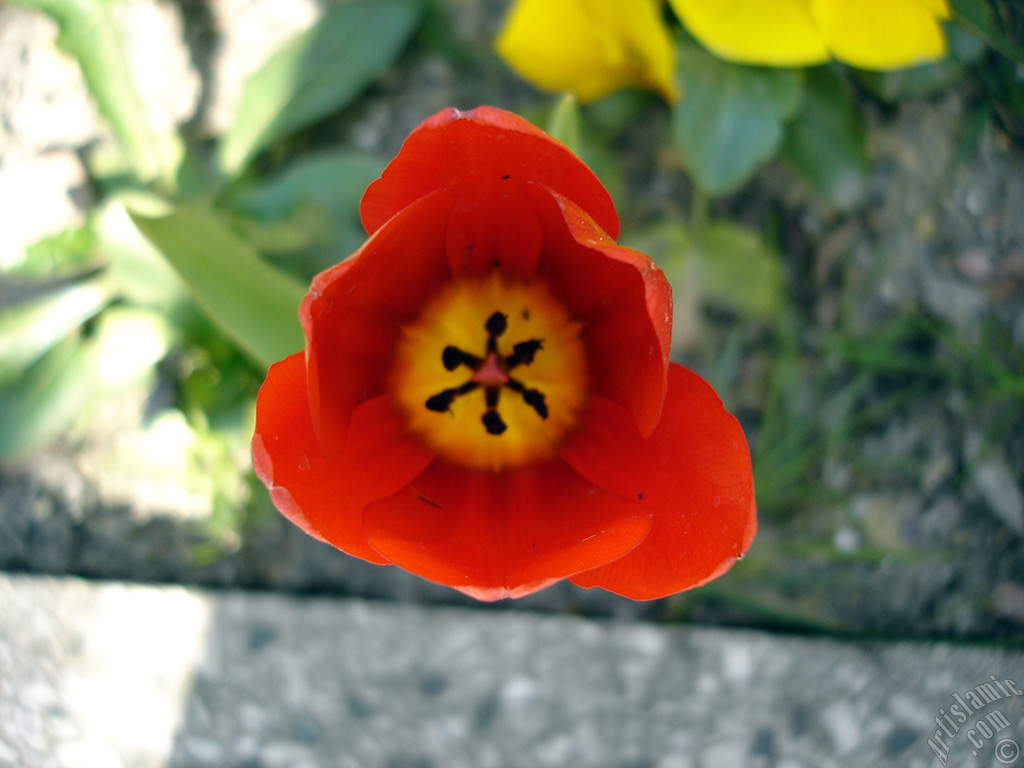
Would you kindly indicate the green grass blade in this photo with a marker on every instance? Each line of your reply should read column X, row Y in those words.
column 252, row 302
column 316, row 73
column 43, row 403
column 88, row 32
column 28, row 330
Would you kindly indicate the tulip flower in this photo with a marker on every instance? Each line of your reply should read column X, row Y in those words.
column 589, row 47
column 870, row 34
column 486, row 398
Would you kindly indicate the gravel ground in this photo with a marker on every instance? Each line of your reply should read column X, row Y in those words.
column 97, row 675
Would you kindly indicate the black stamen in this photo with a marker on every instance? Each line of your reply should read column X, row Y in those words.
column 524, row 352
column 496, row 324
column 535, row 399
column 493, row 423
column 491, row 396
column 452, row 357
column 442, row 401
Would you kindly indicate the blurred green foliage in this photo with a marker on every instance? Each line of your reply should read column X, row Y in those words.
column 254, row 304
column 316, row 74
column 167, row 279
column 731, row 118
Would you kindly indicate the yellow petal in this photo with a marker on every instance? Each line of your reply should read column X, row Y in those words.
column 937, row 8
column 881, row 34
column 645, row 39
column 778, row 33
column 588, row 47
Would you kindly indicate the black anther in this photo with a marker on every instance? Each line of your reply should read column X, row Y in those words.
column 524, row 352
column 535, row 399
column 493, row 423
column 442, row 401
column 452, row 357
column 496, row 324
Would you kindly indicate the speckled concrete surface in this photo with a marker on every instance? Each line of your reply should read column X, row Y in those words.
column 115, row 675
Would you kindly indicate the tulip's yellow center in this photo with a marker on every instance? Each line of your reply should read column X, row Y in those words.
column 492, row 374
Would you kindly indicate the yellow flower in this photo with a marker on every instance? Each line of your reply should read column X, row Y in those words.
column 589, row 47
column 871, row 34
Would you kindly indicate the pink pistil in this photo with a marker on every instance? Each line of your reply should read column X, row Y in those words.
column 491, row 371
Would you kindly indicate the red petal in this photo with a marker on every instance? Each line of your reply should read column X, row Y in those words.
column 490, row 594
column 493, row 226
column 486, row 155
column 695, row 476
column 496, row 535
column 607, row 450
column 621, row 297
column 354, row 311
column 322, row 496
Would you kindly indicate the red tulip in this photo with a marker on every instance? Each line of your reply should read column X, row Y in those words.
column 486, row 398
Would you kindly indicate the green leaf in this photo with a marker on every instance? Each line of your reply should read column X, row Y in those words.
column 737, row 270
column 66, row 252
column 42, row 403
column 730, row 117
column 127, row 343
column 976, row 17
column 614, row 113
column 564, row 123
column 255, row 304
column 57, row 390
column 90, row 34
column 28, row 330
column 920, row 80
column 310, row 211
column 719, row 264
column 316, row 73
column 137, row 270
column 332, row 180
column 299, row 238
column 825, row 142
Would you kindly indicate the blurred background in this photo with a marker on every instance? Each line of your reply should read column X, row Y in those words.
column 846, row 248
